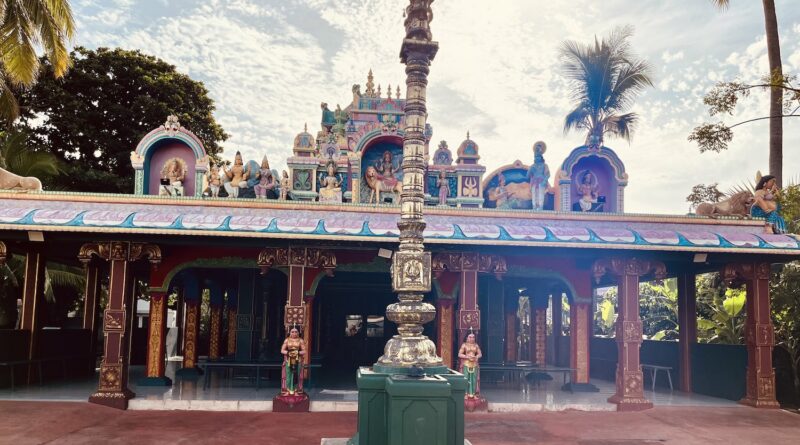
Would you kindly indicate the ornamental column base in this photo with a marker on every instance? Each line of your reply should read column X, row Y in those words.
column 761, row 391
column 112, row 399
column 291, row 403
column 475, row 403
column 630, row 392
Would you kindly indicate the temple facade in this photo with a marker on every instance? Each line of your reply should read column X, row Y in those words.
column 309, row 248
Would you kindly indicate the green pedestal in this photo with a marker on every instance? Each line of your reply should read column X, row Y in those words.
column 395, row 409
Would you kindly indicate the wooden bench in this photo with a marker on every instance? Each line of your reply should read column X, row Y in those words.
column 654, row 373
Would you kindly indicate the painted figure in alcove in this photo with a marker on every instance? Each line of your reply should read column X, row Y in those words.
column 469, row 354
column 285, row 184
column 765, row 206
column 330, row 184
column 265, row 188
column 237, row 176
column 173, row 175
column 501, row 193
column 387, row 169
column 293, row 350
column 444, row 188
column 538, row 176
column 214, row 181
column 588, row 190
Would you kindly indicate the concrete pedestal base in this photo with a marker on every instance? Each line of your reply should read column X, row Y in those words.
column 154, row 381
column 396, row 409
column 297, row 403
column 118, row 400
column 630, row 403
column 477, row 403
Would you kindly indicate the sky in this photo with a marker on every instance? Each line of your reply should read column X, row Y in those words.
column 268, row 64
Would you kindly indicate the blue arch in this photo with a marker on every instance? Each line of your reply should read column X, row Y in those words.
column 606, row 153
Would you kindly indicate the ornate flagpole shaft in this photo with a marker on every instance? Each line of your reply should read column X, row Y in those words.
column 411, row 266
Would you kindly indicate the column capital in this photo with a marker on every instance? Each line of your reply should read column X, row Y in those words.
column 620, row 266
column 3, row 253
column 120, row 251
column 460, row 262
column 735, row 273
column 297, row 256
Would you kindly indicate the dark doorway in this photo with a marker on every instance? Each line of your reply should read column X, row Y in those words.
column 351, row 325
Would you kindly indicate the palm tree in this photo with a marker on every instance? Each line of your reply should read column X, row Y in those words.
column 25, row 26
column 16, row 157
column 605, row 78
column 776, row 91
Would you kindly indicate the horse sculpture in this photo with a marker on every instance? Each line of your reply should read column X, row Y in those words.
column 737, row 204
column 10, row 181
column 378, row 186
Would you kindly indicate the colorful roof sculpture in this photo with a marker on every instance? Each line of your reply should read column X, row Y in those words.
column 94, row 213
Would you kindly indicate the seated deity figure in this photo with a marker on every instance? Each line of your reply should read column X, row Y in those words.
column 588, row 191
column 538, row 176
column 265, row 188
column 237, row 176
column 387, row 170
column 172, row 176
column 765, row 206
column 444, row 188
column 293, row 350
column 214, row 181
column 469, row 354
column 285, row 184
column 330, row 185
column 501, row 193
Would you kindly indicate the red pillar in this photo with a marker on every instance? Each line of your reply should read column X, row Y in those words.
column 231, row 349
column 469, row 315
column 539, row 325
column 444, row 333
column 308, row 332
column 215, row 332
column 579, row 316
column 557, row 325
column 629, row 395
column 687, row 327
column 191, row 330
column 32, row 300
column 511, row 336
column 156, row 342
column 759, row 333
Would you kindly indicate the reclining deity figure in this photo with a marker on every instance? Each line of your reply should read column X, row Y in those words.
column 172, row 176
column 330, row 185
column 765, row 205
column 237, row 176
column 265, row 189
column 538, row 176
column 293, row 350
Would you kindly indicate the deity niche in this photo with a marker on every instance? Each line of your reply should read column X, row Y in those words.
column 330, row 184
column 173, row 176
column 509, row 190
column 382, row 174
column 588, row 189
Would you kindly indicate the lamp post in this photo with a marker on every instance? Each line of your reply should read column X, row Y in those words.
column 411, row 265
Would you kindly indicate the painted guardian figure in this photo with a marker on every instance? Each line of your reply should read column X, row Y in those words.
column 293, row 350
column 538, row 176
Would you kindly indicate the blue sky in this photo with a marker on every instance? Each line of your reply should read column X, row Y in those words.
column 268, row 64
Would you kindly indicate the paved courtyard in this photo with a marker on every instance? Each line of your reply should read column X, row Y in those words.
column 82, row 423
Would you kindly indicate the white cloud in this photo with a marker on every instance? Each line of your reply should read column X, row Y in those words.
column 668, row 57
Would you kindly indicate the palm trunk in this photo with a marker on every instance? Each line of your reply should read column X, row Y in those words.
column 776, row 93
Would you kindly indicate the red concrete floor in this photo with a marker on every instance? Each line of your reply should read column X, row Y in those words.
column 82, row 423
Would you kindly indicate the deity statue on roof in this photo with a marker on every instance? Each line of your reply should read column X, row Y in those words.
column 589, row 191
column 538, row 176
column 172, row 176
column 444, row 187
column 285, row 184
column 765, row 205
column 237, row 176
column 328, row 117
column 340, row 120
column 265, row 188
column 387, row 169
column 501, row 193
column 330, row 184
column 214, row 181
column 469, row 355
column 293, row 350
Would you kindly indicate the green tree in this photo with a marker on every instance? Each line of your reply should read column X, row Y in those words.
column 105, row 104
column 25, row 27
column 16, row 157
column 721, row 315
column 605, row 79
column 715, row 137
column 658, row 306
column 786, row 316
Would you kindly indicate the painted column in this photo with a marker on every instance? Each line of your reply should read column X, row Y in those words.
column 113, row 389
column 191, row 330
column 216, row 301
column 511, row 336
column 156, row 342
column 295, row 309
column 629, row 394
column 539, row 335
column 579, row 318
column 32, row 300
column 232, row 313
column 469, row 316
column 244, row 316
column 90, row 299
column 494, row 322
column 759, row 333
column 558, row 311
column 444, row 331
column 308, row 334
column 687, row 327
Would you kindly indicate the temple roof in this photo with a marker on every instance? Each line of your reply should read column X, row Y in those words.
column 129, row 214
